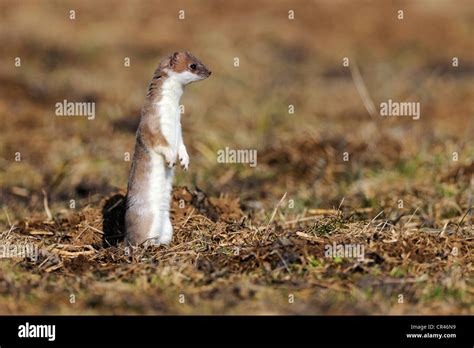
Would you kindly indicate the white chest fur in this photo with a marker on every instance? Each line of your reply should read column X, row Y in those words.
column 161, row 176
column 169, row 110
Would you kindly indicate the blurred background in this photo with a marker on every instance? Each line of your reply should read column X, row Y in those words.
column 282, row 62
column 419, row 173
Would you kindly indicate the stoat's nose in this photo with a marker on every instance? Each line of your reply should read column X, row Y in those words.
column 210, row 72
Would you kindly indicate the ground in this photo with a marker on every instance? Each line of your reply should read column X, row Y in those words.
column 248, row 239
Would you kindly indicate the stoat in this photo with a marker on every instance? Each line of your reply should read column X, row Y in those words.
column 159, row 141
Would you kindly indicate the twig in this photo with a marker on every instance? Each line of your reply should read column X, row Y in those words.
column 203, row 217
column 60, row 249
column 371, row 221
column 306, row 218
column 95, row 229
column 323, row 211
column 8, row 217
column 362, row 89
column 53, row 268
column 276, row 210
column 274, row 213
column 412, row 215
column 282, row 260
column 46, row 206
column 187, row 218
column 340, row 204
column 41, row 233
column 80, row 234
column 464, row 216
column 44, row 262
column 308, row 237
column 76, row 253
column 115, row 205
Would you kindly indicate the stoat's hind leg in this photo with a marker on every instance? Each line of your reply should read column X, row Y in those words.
column 155, row 230
column 163, row 237
column 166, row 233
column 137, row 225
column 166, row 228
column 162, row 230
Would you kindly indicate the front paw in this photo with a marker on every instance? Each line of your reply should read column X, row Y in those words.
column 169, row 155
column 183, row 158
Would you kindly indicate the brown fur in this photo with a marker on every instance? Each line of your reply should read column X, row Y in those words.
column 149, row 128
column 181, row 61
column 139, row 172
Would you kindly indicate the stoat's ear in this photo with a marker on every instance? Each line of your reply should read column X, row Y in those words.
column 174, row 59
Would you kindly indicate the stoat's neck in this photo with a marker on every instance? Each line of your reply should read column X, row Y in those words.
column 168, row 110
column 172, row 89
column 171, row 92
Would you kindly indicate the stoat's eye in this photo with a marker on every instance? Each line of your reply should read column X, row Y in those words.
column 192, row 66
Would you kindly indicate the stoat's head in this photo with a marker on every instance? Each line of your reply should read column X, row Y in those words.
column 186, row 68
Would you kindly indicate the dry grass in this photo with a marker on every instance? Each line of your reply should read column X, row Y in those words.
column 240, row 265
column 238, row 246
